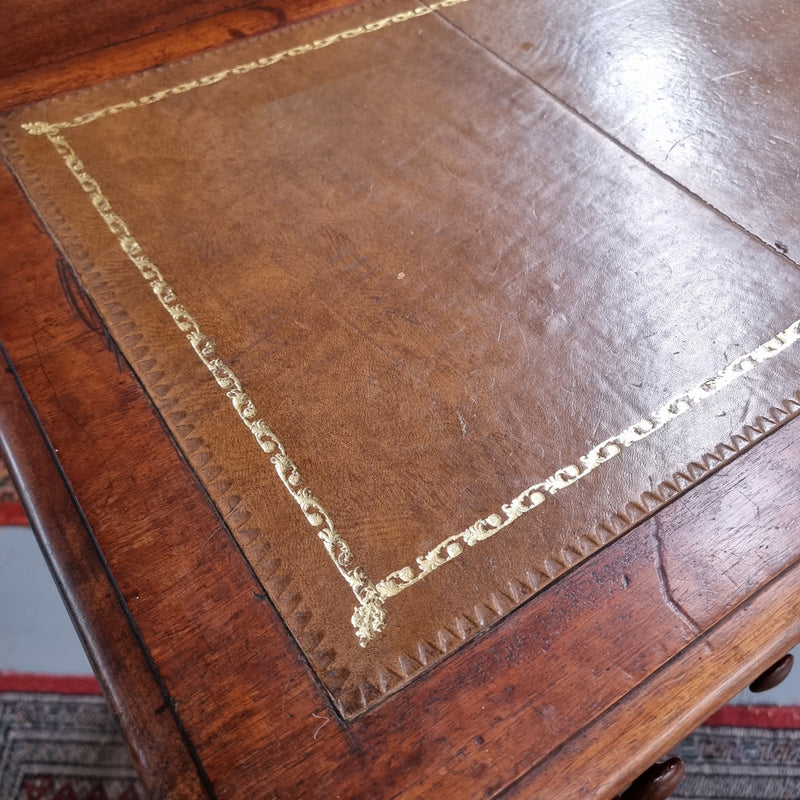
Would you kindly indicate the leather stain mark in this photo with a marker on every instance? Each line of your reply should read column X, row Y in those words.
column 82, row 307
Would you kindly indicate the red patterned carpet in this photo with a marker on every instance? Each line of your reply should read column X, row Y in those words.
column 62, row 747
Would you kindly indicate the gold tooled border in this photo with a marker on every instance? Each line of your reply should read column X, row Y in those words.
column 369, row 617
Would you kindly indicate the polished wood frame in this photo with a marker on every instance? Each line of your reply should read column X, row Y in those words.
column 572, row 695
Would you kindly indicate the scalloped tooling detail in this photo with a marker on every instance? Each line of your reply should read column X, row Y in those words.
column 370, row 615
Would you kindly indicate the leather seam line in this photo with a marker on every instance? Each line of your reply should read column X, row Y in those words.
column 614, row 140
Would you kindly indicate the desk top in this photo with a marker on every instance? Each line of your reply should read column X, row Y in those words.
column 685, row 605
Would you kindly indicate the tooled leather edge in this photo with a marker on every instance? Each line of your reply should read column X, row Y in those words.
column 353, row 700
column 232, row 508
column 500, row 601
column 253, row 543
column 355, row 696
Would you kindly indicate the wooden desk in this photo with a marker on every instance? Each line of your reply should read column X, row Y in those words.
column 573, row 694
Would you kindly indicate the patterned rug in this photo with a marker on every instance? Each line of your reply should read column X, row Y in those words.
column 740, row 763
column 62, row 747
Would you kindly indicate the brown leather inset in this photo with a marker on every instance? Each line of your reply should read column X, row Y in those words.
column 427, row 338
column 705, row 93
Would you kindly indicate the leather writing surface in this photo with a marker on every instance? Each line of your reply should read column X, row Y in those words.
column 707, row 93
column 427, row 338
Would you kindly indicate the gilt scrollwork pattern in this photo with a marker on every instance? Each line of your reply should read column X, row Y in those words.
column 369, row 617
column 372, row 620
column 570, row 474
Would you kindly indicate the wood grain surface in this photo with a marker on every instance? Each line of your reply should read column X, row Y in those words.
column 69, row 48
column 139, row 701
column 47, row 32
column 574, row 695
